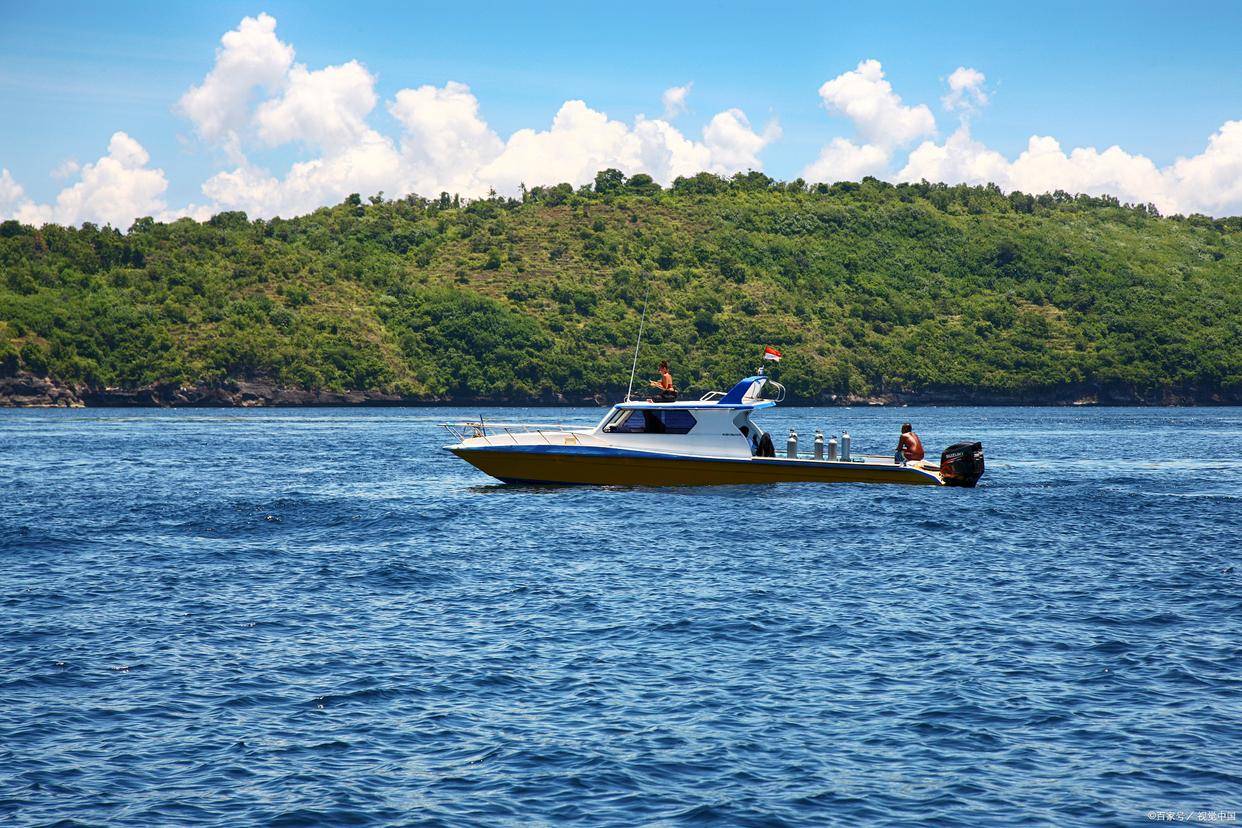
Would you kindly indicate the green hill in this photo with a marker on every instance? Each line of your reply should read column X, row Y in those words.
column 868, row 288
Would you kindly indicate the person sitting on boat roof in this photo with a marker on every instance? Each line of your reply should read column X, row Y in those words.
column 668, row 392
column 909, row 446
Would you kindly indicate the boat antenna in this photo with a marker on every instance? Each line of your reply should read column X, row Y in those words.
column 642, row 321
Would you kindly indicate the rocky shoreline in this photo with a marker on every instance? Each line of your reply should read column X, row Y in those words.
column 24, row 390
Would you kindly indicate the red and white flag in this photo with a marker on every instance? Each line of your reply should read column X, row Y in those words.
column 771, row 353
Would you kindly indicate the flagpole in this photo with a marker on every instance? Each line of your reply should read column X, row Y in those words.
column 629, row 392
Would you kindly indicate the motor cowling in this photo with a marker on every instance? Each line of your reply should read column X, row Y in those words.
column 961, row 464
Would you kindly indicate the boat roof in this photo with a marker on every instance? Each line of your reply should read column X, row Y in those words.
column 695, row 404
column 734, row 399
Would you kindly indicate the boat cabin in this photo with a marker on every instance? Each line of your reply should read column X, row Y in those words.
column 717, row 425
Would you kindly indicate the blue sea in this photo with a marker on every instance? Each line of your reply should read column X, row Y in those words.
column 317, row 616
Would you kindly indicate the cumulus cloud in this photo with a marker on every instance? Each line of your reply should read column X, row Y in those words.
column 11, row 193
column 367, row 166
column 444, row 142
column 877, row 112
column 325, row 108
column 579, row 140
column 444, row 139
column 665, row 153
column 966, row 91
column 446, row 146
column 256, row 92
column 66, row 169
column 582, row 141
column 256, row 97
column 114, row 190
column 1042, row 167
column 674, row 100
column 1210, row 182
column 249, row 58
column 879, row 117
column 959, row 159
column 733, row 144
column 843, row 160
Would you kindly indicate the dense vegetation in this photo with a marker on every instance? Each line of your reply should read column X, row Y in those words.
column 865, row 286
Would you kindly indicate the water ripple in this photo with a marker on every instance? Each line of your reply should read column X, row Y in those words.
column 318, row 617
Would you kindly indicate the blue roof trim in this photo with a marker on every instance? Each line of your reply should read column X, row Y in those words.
column 737, row 392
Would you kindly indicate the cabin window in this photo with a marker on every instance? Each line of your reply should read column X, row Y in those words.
column 647, row 421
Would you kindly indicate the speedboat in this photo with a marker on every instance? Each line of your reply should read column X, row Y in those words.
column 712, row 440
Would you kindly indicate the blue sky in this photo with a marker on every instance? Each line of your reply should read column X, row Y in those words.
column 1156, row 79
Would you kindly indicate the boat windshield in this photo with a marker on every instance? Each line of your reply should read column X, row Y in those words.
column 648, row 421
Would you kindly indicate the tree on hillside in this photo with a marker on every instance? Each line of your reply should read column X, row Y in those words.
column 609, row 181
column 642, row 184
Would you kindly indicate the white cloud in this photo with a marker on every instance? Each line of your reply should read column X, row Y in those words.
column 843, row 160
column 444, row 141
column 245, row 188
column 66, row 169
column 325, row 108
column 367, row 166
column 674, row 100
column 734, row 146
column 250, row 57
column 11, row 193
column 114, row 190
column 198, row 212
column 960, row 159
column 879, row 117
column 878, row 114
column 256, row 96
column 1044, row 167
column 582, row 141
column 966, row 91
column 255, row 92
column 665, row 153
column 1211, row 182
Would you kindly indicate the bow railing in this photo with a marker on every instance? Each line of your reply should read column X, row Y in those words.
column 509, row 432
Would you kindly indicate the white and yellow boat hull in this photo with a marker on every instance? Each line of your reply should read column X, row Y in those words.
column 613, row 467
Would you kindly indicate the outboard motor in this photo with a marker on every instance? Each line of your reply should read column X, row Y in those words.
column 961, row 464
